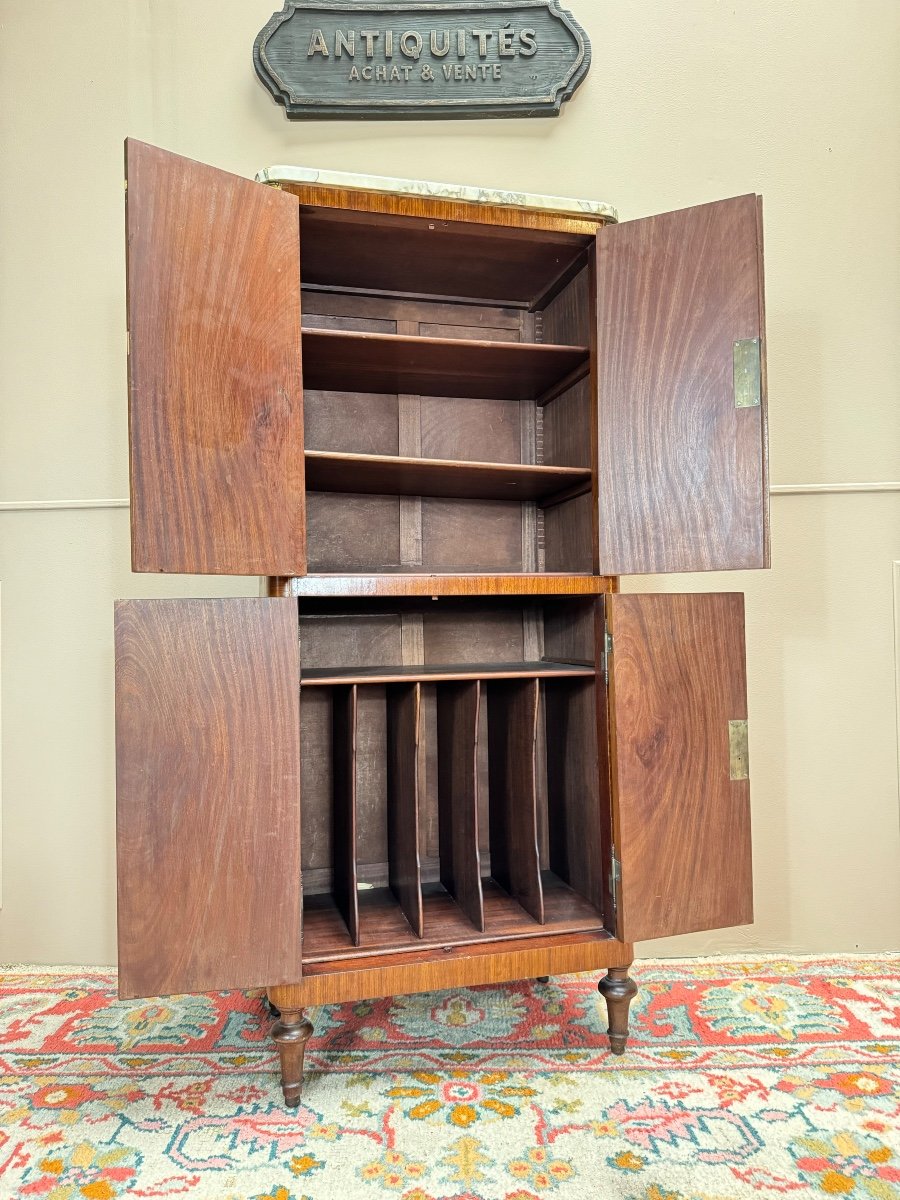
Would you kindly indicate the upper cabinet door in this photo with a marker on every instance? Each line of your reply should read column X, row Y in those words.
column 678, row 761
column 207, row 794
column 214, row 383
column 682, row 466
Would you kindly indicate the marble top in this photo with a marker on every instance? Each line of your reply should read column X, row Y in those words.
column 439, row 191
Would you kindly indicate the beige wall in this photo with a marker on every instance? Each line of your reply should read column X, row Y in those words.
column 685, row 103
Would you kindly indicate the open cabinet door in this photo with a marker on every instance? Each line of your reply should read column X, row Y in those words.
column 214, row 383
column 681, row 454
column 207, row 794
column 678, row 762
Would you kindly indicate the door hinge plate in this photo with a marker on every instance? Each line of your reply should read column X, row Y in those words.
column 615, row 878
column 607, row 651
column 738, row 750
column 747, row 373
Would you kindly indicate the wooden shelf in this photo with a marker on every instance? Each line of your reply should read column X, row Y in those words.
column 523, row 584
column 382, row 253
column 385, row 930
column 341, row 676
column 344, row 361
column 389, row 475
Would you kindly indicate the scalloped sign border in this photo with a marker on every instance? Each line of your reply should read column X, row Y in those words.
column 332, row 59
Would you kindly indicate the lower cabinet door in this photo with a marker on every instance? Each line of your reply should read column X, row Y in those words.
column 678, row 763
column 207, row 794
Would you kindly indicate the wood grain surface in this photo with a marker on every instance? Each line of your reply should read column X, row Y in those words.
column 360, row 200
column 433, row 672
column 404, row 704
column 345, row 716
column 208, row 794
column 457, row 731
column 215, row 395
column 681, row 472
column 512, row 736
column 440, row 585
column 576, row 789
column 389, row 475
column 385, row 930
column 681, row 824
column 454, row 967
column 416, row 255
column 341, row 360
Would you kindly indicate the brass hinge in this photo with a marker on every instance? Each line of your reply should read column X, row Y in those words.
column 607, row 651
column 747, row 373
column 615, row 878
column 738, row 750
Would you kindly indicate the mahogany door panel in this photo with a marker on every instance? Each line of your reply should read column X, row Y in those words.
column 681, row 798
column 681, row 454
column 214, row 380
column 208, row 794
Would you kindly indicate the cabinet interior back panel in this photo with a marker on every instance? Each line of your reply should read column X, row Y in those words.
column 355, row 533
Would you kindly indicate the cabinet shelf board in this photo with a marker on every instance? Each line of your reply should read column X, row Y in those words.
column 522, row 584
column 437, row 673
column 385, row 930
column 390, row 475
column 388, row 363
column 380, row 252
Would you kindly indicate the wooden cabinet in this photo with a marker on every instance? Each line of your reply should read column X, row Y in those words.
column 443, row 750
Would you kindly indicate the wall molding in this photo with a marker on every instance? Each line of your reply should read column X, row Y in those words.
column 777, row 489
column 28, row 505
column 830, row 489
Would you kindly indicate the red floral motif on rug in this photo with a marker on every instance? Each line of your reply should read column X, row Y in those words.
column 768, row 1077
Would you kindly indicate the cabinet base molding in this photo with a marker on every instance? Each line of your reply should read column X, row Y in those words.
column 466, row 966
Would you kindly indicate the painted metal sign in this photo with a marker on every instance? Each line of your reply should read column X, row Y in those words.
column 444, row 58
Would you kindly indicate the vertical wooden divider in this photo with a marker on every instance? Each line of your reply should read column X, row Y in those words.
column 512, row 733
column 404, row 703
column 457, row 713
column 344, row 725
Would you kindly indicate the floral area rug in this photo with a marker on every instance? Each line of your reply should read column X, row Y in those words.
column 769, row 1077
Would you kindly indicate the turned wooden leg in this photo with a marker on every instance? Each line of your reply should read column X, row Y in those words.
column 618, row 990
column 291, row 1033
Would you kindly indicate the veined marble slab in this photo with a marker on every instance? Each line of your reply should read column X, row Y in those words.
column 562, row 205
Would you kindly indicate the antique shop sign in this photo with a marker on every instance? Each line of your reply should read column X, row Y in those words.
column 446, row 58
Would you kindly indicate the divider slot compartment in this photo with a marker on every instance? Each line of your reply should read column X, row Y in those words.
column 575, row 813
column 457, row 733
column 513, row 708
column 404, row 706
column 450, row 801
column 345, row 716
